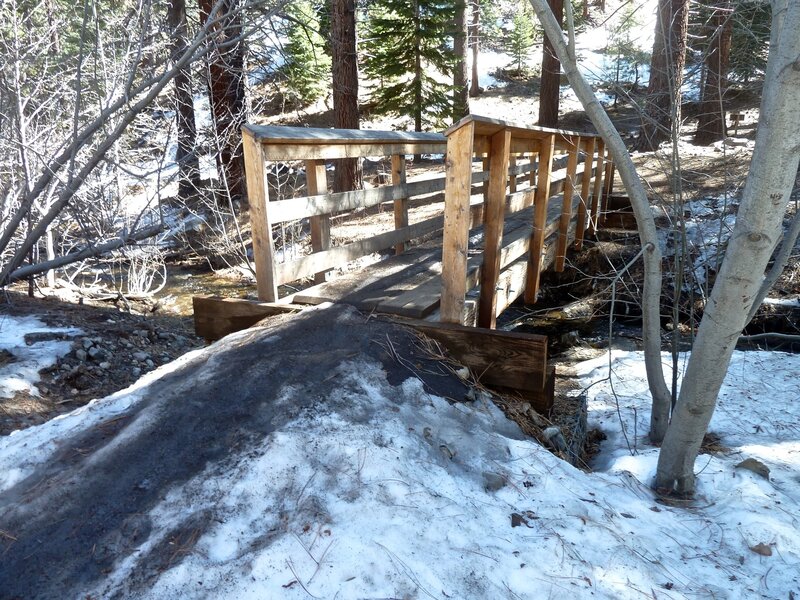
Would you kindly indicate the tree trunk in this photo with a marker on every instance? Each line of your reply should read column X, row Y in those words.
column 227, row 92
column 757, row 231
column 551, row 74
column 475, row 34
column 186, row 157
column 344, row 69
column 711, row 122
column 417, row 83
column 460, row 83
column 663, row 99
column 648, row 236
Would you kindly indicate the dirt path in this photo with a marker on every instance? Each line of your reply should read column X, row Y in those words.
column 67, row 523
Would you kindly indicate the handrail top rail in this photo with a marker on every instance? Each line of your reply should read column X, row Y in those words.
column 485, row 126
column 284, row 134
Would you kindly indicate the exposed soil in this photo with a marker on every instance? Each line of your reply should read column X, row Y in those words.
column 114, row 350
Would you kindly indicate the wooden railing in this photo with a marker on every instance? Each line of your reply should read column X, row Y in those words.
column 508, row 268
column 513, row 168
column 315, row 146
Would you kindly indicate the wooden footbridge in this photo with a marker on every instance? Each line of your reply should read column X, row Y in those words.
column 462, row 246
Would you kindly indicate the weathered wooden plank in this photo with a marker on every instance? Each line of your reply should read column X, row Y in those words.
column 400, row 204
column 317, row 183
column 333, row 151
column 609, row 181
column 341, row 255
column 458, row 170
column 494, row 216
column 301, row 143
column 214, row 318
column 539, row 218
column 516, row 360
column 391, row 276
column 597, row 191
column 485, row 126
column 283, row 134
column 512, row 170
column 586, row 180
column 258, row 198
column 566, row 206
column 293, row 209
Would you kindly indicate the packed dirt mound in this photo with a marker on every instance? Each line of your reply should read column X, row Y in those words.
column 78, row 490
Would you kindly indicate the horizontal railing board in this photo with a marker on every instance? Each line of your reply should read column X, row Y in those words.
column 292, row 209
column 340, row 255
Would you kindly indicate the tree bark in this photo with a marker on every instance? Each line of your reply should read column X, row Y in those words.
column 460, row 82
column 475, row 35
column 663, row 100
column 758, row 227
column 186, row 157
column 227, row 92
column 711, row 121
column 551, row 73
column 651, row 293
column 344, row 69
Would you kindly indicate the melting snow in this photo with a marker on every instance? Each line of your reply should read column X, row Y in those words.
column 446, row 500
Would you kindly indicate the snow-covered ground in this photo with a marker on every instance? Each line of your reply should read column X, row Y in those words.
column 387, row 491
column 21, row 360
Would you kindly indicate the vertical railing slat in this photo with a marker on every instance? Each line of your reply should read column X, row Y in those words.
column 401, row 205
column 317, row 184
column 586, row 180
column 539, row 217
column 597, row 191
column 494, row 211
column 566, row 203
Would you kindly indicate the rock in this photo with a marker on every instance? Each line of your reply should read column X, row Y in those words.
column 493, row 481
column 6, row 357
column 555, row 438
column 756, row 466
column 87, row 343
column 136, row 371
column 150, row 364
column 80, row 354
column 141, row 356
column 95, row 352
column 104, row 365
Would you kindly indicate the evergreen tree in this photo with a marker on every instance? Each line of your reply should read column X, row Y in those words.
column 522, row 37
column 307, row 67
column 406, row 48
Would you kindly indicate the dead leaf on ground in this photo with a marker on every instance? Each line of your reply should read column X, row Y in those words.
column 756, row 466
column 762, row 549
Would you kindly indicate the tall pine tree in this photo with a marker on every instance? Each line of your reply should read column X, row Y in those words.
column 407, row 46
column 307, row 65
column 522, row 37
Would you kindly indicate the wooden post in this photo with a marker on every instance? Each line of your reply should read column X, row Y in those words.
column 512, row 179
column 586, row 180
column 401, row 205
column 566, row 203
column 317, row 184
column 539, row 217
column 494, row 211
column 458, row 185
column 609, row 182
column 485, row 186
column 258, row 198
column 597, row 191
